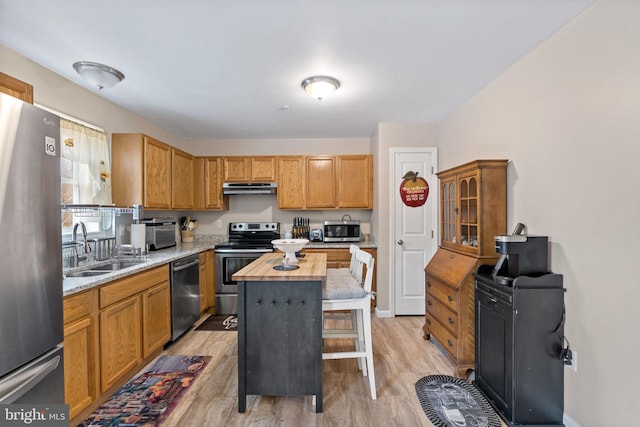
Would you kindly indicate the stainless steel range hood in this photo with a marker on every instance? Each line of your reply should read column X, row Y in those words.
column 249, row 188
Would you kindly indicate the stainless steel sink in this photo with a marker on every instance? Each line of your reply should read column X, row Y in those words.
column 86, row 273
column 118, row 265
column 98, row 270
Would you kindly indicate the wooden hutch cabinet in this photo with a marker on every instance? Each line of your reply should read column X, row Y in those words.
column 473, row 209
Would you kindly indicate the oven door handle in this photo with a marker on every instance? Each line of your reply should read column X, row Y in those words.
column 184, row 267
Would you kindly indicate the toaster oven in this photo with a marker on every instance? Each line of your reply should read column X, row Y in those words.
column 342, row 231
column 160, row 233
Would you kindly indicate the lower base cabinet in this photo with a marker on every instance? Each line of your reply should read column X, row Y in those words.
column 134, row 321
column 80, row 351
column 156, row 318
column 110, row 331
column 120, row 340
column 207, row 286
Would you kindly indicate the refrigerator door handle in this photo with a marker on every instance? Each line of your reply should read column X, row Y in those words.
column 15, row 386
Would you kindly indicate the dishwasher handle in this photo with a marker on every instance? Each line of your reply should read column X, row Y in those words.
column 185, row 266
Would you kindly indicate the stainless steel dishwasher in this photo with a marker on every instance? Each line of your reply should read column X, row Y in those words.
column 185, row 294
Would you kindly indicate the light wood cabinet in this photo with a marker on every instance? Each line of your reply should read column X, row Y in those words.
column 16, row 88
column 81, row 358
column 473, row 208
column 140, row 171
column 156, row 318
column 473, row 199
column 325, row 182
column 134, row 322
column 291, row 180
column 182, row 179
column 320, row 183
column 207, row 287
column 208, row 184
column 250, row 169
column 264, row 168
column 355, row 182
column 120, row 340
column 341, row 258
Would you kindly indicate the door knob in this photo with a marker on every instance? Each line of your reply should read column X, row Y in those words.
column 400, row 242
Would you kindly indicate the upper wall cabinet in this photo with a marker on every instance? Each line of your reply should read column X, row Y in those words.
column 355, row 182
column 140, row 171
column 16, row 88
column 320, row 188
column 207, row 186
column 250, row 169
column 182, row 176
column 291, row 193
column 325, row 182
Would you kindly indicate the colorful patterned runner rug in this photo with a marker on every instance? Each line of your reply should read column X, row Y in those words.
column 148, row 399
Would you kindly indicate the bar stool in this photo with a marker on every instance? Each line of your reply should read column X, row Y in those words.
column 350, row 291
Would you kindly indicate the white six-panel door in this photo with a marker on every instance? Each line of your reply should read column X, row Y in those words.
column 413, row 230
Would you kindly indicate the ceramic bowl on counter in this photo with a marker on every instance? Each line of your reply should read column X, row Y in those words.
column 290, row 247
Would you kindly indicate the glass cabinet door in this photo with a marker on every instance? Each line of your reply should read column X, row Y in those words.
column 448, row 214
column 469, row 211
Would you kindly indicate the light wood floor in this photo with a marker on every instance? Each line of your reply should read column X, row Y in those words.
column 401, row 355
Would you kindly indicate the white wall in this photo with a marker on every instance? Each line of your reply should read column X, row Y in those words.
column 567, row 117
column 56, row 92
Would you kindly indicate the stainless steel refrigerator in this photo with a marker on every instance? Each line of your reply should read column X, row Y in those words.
column 31, row 324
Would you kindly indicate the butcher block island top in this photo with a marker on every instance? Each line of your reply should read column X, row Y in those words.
column 312, row 267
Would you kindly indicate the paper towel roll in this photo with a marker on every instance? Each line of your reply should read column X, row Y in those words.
column 139, row 237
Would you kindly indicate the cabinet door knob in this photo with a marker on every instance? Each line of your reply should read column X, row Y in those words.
column 450, row 320
column 273, row 302
column 450, row 343
column 429, row 302
column 259, row 302
column 428, row 284
column 286, row 302
column 492, row 300
column 429, row 321
column 450, row 298
column 301, row 302
column 400, row 242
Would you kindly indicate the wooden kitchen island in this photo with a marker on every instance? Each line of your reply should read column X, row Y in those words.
column 280, row 328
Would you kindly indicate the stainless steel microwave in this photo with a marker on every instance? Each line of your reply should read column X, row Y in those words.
column 160, row 233
column 342, row 231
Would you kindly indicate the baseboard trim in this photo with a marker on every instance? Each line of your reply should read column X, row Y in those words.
column 569, row 422
column 381, row 313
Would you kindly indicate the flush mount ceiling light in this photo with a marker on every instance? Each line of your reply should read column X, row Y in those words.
column 320, row 86
column 98, row 75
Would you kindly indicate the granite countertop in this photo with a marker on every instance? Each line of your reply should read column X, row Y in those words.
column 345, row 245
column 72, row 285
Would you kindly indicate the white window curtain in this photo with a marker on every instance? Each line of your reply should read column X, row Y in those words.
column 89, row 150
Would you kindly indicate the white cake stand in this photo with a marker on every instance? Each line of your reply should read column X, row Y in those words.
column 290, row 247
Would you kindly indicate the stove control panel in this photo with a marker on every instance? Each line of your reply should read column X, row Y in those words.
column 254, row 226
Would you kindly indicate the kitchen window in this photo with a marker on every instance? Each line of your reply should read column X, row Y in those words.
column 85, row 171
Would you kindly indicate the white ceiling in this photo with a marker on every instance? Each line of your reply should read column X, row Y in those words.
column 212, row 69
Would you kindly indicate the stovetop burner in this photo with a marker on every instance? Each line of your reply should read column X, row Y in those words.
column 251, row 236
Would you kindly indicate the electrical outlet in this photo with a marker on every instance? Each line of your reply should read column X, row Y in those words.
column 574, row 361
column 219, row 223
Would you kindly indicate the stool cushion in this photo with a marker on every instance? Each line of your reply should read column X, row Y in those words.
column 341, row 286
